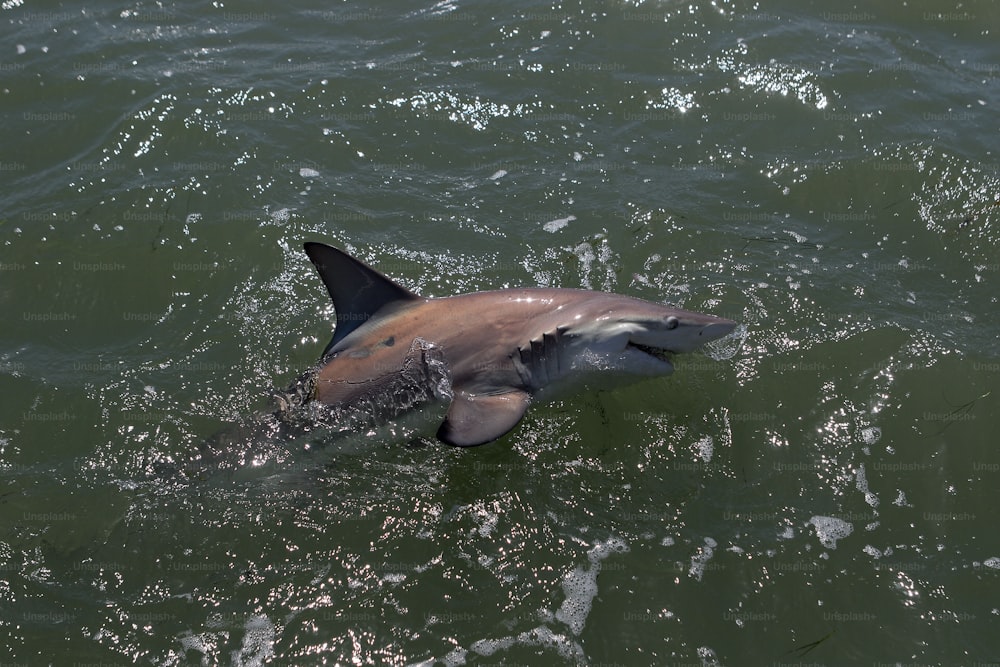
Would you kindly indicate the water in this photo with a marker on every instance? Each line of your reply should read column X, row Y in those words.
column 827, row 176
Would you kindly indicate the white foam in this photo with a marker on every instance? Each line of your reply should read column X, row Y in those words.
column 708, row 657
column 829, row 529
column 580, row 589
column 202, row 643
column 700, row 559
column 453, row 659
column 705, row 448
column 488, row 521
column 870, row 435
column 541, row 636
column 862, row 483
column 258, row 642
column 580, row 585
column 559, row 223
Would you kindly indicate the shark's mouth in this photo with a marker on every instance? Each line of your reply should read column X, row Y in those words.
column 656, row 352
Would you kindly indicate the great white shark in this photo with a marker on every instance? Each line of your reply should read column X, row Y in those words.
column 489, row 355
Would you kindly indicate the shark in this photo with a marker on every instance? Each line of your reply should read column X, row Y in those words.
column 486, row 355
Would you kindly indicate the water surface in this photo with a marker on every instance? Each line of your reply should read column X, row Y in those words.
column 817, row 492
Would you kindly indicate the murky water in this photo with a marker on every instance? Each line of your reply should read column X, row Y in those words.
column 818, row 493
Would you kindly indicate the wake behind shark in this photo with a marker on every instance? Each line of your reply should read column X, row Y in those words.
column 486, row 355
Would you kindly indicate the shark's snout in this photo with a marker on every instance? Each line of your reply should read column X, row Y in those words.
column 716, row 330
column 679, row 332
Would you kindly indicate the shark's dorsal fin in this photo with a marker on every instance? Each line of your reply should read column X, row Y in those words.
column 357, row 290
column 476, row 420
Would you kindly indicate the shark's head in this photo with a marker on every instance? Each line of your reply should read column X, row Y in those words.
column 639, row 337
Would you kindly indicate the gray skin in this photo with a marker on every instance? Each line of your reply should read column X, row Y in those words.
column 498, row 350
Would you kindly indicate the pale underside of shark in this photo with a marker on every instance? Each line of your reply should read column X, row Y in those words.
column 488, row 354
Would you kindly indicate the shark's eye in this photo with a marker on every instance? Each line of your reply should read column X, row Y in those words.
column 672, row 322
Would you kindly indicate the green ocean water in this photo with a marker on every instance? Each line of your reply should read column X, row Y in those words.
column 817, row 490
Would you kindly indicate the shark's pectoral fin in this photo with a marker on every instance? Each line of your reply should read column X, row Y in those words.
column 476, row 420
